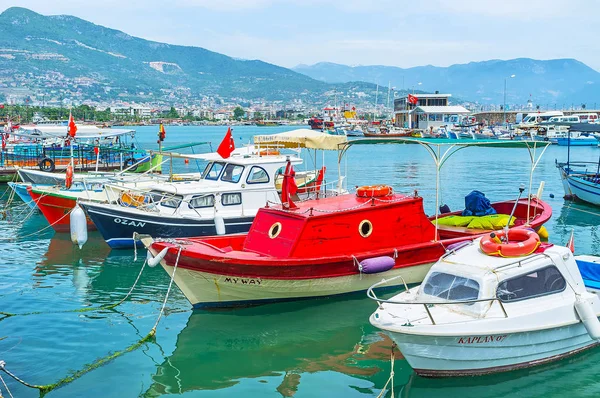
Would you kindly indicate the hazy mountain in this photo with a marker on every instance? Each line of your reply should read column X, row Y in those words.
column 47, row 51
column 560, row 81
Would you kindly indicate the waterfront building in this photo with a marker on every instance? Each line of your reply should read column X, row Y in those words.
column 422, row 111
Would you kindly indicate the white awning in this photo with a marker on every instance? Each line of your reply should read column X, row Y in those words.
column 301, row 138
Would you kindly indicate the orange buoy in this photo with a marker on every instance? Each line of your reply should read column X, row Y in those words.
column 69, row 179
column 186, row 161
column 374, row 191
column 514, row 243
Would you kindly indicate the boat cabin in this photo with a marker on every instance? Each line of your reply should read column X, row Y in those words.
column 330, row 226
column 228, row 185
column 467, row 274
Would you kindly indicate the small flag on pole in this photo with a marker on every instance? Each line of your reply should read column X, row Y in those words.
column 72, row 127
column 227, row 145
column 161, row 132
column 571, row 242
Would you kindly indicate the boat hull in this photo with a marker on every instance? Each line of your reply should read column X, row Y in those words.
column 444, row 356
column 577, row 141
column 580, row 188
column 117, row 225
column 56, row 209
column 211, row 290
column 21, row 191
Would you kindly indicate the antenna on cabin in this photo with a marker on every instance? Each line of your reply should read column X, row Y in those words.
column 521, row 190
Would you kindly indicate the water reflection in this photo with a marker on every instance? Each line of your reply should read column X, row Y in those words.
column 216, row 350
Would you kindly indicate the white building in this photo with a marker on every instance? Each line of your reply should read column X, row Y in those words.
column 430, row 110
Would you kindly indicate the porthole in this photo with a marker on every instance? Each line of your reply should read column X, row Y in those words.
column 365, row 228
column 275, row 230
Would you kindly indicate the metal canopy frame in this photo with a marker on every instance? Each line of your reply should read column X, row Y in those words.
column 434, row 147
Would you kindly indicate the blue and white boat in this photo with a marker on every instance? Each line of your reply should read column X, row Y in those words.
column 581, row 180
column 223, row 201
column 477, row 314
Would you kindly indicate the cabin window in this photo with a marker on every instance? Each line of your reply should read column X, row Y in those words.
column 231, row 199
column 171, row 201
column 257, row 175
column 213, row 171
column 451, row 287
column 365, row 228
column 198, row 202
column 534, row 284
column 232, row 173
column 275, row 230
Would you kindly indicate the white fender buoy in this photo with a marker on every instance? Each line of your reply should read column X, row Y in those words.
column 78, row 226
column 540, row 190
column 153, row 261
column 220, row 225
column 588, row 317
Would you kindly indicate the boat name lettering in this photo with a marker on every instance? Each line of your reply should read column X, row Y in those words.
column 480, row 339
column 242, row 281
column 129, row 222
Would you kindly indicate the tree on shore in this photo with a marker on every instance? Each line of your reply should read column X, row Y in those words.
column 238, row 113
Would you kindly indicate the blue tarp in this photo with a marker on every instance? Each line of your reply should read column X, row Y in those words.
column 476, row 204
column 590, row 272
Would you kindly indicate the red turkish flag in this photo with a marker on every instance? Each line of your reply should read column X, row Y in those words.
column 288, row 187
column 227, row 145
column 412, row 99
column 72, row 128
column 571, row 243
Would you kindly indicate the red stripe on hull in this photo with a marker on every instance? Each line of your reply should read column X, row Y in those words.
column 289, row 269
column 55, row 209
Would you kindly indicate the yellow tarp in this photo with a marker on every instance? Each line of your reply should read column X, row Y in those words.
column 301, row 138
column 493, row 221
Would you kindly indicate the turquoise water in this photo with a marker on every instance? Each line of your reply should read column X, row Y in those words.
column 313, row 348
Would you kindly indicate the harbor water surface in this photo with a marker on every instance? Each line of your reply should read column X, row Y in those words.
column 311, row 348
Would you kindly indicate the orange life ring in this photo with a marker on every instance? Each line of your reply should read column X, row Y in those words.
column 520, row 242
column 266, row 152
column 69, row 179
column 374, row 191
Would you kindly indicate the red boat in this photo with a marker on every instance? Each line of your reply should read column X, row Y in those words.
column 56, row 208
column 324, row 247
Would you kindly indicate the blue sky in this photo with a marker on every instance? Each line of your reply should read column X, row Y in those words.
column 354, row 32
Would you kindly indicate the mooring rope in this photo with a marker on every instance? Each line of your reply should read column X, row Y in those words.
column 44, row 389
column 391, row 378
column 583, row 211
column 6, row 388
column 37, row 232
column 86, row 309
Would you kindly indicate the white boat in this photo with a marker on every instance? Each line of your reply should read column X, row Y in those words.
column 581, row 180
column 477, row 314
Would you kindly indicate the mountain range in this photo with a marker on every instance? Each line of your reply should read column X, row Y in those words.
column 109, row 61
column 67, row 54
column 559, row 81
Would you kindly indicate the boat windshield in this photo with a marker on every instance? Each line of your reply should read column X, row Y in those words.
column 451, row 287
column 232, row 173
column 213, row 171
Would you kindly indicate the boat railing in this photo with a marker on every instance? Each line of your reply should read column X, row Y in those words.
column 426, row 304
